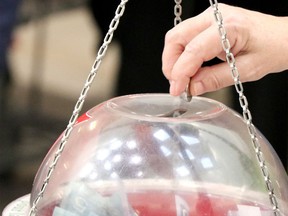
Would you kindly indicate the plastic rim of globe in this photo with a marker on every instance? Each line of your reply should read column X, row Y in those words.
column 19, row 207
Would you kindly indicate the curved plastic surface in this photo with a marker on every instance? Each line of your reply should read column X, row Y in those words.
column 125, row 158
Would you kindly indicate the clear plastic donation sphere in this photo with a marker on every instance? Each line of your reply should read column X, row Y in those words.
column 153, row 155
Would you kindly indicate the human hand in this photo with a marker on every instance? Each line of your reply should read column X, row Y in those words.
column 259, row 43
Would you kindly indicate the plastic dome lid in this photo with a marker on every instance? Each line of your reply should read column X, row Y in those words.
column 153, row 154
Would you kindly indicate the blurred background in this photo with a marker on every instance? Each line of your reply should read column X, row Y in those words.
column 52, row 48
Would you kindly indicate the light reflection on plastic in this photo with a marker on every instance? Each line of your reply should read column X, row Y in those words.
column 115, row 144
column 206, row 163
column 114, row 175
column 182, row 171
column 161, row 135
column 135, row 159
column 190, row 155
column 180, row 155
column 140, row 173
column 117, row 158
column 65, row 165
column 107, row 165
column 165, row 150
column 190, row 140
column 93, row 125
column 131, row 144
column 102, row 154
column 87, row 169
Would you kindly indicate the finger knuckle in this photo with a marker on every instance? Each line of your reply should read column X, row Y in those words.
column 171, row 36
column 192, row 48
column 213, row 83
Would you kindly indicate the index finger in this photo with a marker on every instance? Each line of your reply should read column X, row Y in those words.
column 177, row 38
column 200, row 49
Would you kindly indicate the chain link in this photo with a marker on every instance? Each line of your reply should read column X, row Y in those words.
column 178, row 12
column 79, row 104
column 244, row 104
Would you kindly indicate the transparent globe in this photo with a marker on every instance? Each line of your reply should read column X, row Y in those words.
column 154, row 154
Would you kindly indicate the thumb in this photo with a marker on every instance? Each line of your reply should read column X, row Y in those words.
column 212, row 78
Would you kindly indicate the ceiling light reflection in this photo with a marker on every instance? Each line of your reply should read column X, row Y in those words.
column 135, row 159
column 206, row 162
column 189, row 154
column 131, row 144
column 161, row 135
column 165, row 150
column 182, row 171
column 117, row 158
column 190, row 140
column 102, row 154
column 115, row 144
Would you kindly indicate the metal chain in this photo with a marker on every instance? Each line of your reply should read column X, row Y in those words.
column 178, row 12
column 101, row 53
column 79, row 104
column 244, row 104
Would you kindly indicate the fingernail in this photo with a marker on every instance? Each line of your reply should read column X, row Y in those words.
column 198, row 88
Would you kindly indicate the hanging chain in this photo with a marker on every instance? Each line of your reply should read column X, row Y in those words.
column 178, row 12
column 244, row 104
column 101, row 53
column 79, row 104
